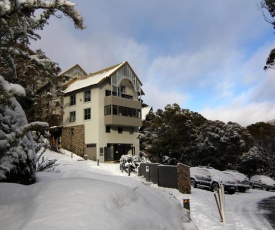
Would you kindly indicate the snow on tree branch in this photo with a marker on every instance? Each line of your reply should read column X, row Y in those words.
column 19, row 21
column 8, row 8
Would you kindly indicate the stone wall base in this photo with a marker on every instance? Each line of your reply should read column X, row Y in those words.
column 73, row 139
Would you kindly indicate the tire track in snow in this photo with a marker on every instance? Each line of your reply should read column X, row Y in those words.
column 252, row 215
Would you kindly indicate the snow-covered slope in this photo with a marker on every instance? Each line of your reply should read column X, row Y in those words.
column 86, row 196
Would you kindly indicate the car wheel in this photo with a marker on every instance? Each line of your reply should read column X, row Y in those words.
column 251, row 185
column 193, row 183
column 242, row 189
column 215, row 187
column 231, row 192
column 265, row 187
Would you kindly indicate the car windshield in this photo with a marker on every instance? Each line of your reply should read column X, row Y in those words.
column 267, row 179
column 239, row 176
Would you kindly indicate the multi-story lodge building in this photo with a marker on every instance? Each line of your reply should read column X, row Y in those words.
column 102, row 114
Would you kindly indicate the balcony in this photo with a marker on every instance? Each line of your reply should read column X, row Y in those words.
column 114, row 100
column 122, row 112
column 118, row 120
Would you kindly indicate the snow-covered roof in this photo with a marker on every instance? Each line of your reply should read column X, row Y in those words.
column 93, row 78
column 70, row 69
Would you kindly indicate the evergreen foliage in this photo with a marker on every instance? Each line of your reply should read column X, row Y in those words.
column 221, row 145
column 261, row 158
column 19, row 21
column 187, row 137
column 173, row 133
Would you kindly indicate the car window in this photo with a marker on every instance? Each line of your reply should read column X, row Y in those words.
column 204, row 172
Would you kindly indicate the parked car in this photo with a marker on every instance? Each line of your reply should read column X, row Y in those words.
column 261, row 181
column 241, row 180
column 211, row 178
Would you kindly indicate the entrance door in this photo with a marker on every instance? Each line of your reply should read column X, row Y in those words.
column 121, row 149
column 109, row 153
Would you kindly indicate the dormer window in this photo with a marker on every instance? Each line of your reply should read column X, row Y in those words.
column 66, row 78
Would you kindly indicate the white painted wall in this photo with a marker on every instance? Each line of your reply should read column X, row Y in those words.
column 95, row 127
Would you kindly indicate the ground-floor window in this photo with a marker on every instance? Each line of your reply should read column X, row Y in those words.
column 131, row 130
column 72, row 116
column 119, row 129
column 107, row 129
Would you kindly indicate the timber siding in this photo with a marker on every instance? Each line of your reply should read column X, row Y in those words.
column 73, row 139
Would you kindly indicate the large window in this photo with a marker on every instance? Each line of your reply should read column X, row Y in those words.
column 72, row 99
column 122, row 111
column 114, row 109
column 107, row 110
column 87, row 114
column 72, row 116
column 87, row 95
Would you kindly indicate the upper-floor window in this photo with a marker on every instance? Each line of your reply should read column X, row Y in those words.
column 114, row 109
column 107, row 110
column 122, row 89
column 66, row 78
column 72, row 116
column 72, row 99
column 87, row 95
column 122, row 111
column 115, row 89
column 87, row 114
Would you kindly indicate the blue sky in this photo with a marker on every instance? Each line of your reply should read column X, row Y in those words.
column 207, row 56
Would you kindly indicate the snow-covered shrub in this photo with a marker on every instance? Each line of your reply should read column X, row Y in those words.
column 17, row 148
column 17, row 155
column 130, row 162
column 169, row 160
column 41, row 145
column 45, row 164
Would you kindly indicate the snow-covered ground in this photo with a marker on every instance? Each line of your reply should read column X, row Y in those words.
column 84, row 195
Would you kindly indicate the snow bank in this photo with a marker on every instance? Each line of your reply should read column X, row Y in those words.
column 79, row 199
column 87, row 196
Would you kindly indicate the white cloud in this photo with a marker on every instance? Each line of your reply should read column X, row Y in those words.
column 158, row 98
column 242, row 114
column 184, row 52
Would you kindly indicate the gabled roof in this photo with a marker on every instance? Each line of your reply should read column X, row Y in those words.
column 94, row 78
column 70, row 69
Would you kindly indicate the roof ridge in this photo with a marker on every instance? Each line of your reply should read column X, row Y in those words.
column 106, row 69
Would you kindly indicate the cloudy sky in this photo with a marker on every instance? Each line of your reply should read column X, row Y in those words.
column 206, row 56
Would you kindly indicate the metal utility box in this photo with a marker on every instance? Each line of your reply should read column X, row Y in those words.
column 167, row 176
column 149, row 171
